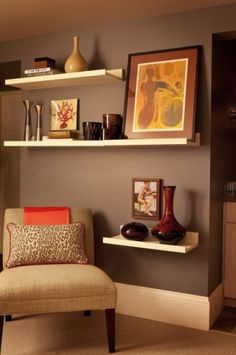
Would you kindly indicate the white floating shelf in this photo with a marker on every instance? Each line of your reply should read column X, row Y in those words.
column 106, row 143
column 89, row 77
column 53, row 143
column 189, row 242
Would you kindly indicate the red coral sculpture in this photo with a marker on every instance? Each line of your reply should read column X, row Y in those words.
column 65, row 112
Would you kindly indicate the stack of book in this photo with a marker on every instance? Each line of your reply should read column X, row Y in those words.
column 44, row 62
column 42, row 66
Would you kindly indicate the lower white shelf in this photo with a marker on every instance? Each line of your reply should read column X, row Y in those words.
column 189, row 242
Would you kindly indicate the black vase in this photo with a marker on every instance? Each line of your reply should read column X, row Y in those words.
column 92, row 130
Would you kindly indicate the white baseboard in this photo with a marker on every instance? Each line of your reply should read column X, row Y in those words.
column 216, row 303
column 167, row 306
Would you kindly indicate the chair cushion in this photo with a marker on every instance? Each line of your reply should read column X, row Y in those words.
column 53, row 288
column 46, row 244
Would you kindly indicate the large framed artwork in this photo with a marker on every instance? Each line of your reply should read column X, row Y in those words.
column 161, row 93
column 146, row 198
column 64, row 114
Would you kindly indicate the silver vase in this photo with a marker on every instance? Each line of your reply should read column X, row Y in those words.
column 39, row 130
column 28, row 126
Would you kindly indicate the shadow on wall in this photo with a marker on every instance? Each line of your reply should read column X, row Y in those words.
column 192, row 217
column 102, row 228
column 97, row 62
column 191, row 197
column 9, row 70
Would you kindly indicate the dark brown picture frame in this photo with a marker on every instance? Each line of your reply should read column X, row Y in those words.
column 161, row 93
column 146, row 198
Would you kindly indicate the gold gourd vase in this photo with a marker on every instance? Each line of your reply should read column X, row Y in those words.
column 75, row 62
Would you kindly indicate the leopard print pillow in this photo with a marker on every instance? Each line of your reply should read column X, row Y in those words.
column 46, row 244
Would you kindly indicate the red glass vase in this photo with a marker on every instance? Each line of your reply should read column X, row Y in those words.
column 168, row 230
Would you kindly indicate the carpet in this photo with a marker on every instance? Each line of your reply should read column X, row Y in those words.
column 226, row 322
column 73, row 333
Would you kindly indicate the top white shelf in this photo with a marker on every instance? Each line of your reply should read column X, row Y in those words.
column 89, row 77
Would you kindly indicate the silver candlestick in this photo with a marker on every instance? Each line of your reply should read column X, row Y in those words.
column 39, row 130
column 28, row 126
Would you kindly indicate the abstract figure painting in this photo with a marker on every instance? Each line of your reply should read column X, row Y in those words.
column 171, row 92
column 161, row 94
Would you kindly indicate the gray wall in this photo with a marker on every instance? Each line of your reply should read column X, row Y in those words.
column 100, row 178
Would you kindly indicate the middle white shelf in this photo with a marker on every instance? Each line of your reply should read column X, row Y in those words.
column 106, row 143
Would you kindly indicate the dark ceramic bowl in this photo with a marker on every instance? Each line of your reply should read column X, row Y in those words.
column 134, row 231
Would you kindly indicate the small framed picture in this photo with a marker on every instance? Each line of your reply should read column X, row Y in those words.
column 146, row 198
column 64, row 114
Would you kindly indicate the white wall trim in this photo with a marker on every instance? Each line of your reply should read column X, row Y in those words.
column 216, row 303
column 167, row 306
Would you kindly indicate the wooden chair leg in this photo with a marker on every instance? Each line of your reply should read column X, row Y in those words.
column 1, row 327
column 87, row 313
column 8, row 317
column 110, row 324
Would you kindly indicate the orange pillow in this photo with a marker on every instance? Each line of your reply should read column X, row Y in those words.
column 46, row 215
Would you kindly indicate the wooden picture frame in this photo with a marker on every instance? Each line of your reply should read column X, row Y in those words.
column 146, row 198
column 161, row 93
column 65, row 115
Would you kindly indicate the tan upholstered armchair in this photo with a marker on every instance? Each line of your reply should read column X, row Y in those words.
column 49, row 288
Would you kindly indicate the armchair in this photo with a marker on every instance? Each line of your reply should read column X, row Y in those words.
column 47, row 288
